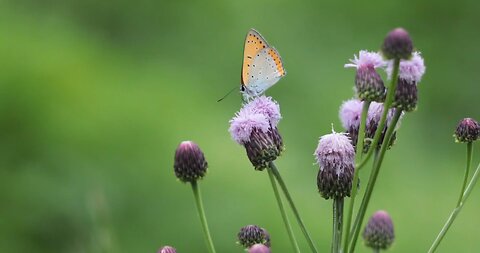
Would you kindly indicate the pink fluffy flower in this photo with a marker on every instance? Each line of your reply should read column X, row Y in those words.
column 350, row 113
column 366, row 59
column 335, row 151
column 266, row 106
column 243, row 124
column 410, row 70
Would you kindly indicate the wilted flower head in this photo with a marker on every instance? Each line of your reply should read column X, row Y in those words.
column 366, row 59
column 468, row 130
column 397, row 44
column 267, row 107
column 378, row 233
column 189, row 164
column 167, row 249
column 253, row 234
column 255, row 129
column 335, row 155
column 259, row 248
column 410, row 70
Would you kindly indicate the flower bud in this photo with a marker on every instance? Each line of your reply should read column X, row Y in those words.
column 259, row 248
column 397, row 45
column 190, row 164
column 167, row 249
column 253, row 234
column 405, row 96
column 369, row 85
column 378, row 233
column 468, row 130
column 335, row 155
column 262, row 148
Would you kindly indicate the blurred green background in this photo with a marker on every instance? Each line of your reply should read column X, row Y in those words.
column 96, row 95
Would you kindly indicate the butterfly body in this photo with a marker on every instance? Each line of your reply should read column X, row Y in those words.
column 262, row 66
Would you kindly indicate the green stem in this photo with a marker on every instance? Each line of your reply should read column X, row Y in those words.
column 373, row 178
column 455, row 211
column 376, row 250
column 337, row 224
column 359, row 151
column 386, row 106
column 201, row 214
column 465, row 178
column 282, row 211
column 282, row 184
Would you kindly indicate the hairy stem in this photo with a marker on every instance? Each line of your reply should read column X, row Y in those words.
column 282, row 184
column 337, row 224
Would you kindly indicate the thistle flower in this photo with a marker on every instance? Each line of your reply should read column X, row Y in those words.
column 267, row 107
column 397, row 44
column 368, row 83
column 350, row 114
column 335, row 155
column 253, row 234
column 189, row 164
column 378, row 233
column 167, row 249
column 259, row 248
column 254, row 127
column 468, row 130
column 406, row 96
column 411, row 70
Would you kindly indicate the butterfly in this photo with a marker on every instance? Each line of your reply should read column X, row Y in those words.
column 262, row 66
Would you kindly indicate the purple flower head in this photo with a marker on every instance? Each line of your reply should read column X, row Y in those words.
column 259, row 248
column 189, row 162
column 410, row 70
column 397, row 44
column 335, row 151
column 245, row 122
column 350, row 113
column 266, row 106
column 366, row 59
column 468, row 130
column 253, row 234
column 167, row 249
column 379, row 233
column 335, row 155
column 375, row 112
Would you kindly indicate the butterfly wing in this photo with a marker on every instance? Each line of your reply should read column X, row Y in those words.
column 265, row 70
column 254, row 42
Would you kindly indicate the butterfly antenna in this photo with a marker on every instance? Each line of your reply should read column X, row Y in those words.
column 227, row 94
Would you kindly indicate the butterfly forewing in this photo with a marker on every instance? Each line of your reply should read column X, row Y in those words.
column 254, row 42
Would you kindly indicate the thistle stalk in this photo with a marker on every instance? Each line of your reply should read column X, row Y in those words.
column 282, row 211
column 282, row 184
column 359, row 152
column 201, row 214
column 373, row 178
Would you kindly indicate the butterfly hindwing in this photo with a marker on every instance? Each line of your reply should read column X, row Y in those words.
column 266, row 70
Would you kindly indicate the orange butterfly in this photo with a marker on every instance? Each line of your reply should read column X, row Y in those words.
column 262, row 66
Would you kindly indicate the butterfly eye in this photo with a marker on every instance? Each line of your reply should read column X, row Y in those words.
column 242, row 88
